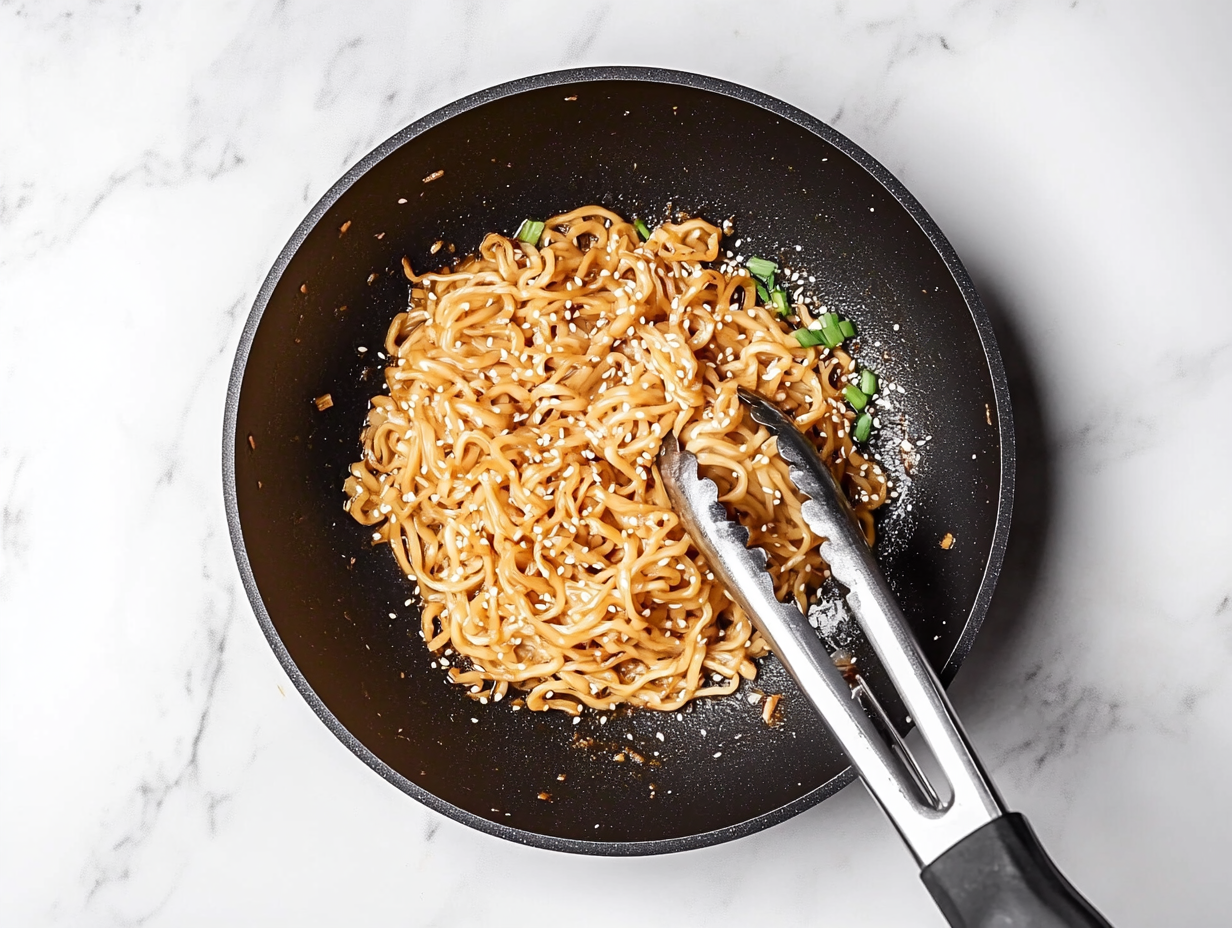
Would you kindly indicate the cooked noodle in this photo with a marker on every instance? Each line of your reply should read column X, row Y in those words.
column 511, row 467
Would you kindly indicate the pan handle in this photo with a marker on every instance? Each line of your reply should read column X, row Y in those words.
column 1000, row 875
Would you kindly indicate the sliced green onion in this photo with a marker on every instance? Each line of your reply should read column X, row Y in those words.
column 809, row 338
column 829, row 328
column 868, row 382
column 779, row 298
column 848, row 330
column 529, row 231
column 824, row 320
column 762, row 269
column 642, row 229
column 762, row 293
column 864, row 427
column 855, row 396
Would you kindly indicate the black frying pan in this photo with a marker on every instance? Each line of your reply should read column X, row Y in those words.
column 642, row 142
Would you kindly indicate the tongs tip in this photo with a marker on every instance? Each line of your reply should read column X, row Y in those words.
column 763, row 411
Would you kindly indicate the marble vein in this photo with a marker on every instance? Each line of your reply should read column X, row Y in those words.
column 13, row 525
column 112, row 862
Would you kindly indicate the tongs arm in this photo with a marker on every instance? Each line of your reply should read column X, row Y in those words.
column 982, row 864
column 795, row 643
column 974, row 801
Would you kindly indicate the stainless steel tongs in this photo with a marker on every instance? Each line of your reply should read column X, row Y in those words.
column 982, row 864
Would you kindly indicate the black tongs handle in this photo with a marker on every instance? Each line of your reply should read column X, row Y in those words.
column 1001, row 877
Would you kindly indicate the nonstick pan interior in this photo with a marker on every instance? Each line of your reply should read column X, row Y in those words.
column 643, row 143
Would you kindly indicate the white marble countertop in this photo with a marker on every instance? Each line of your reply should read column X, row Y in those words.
column 157, row 768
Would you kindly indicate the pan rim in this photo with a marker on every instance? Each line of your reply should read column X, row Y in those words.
column 892, row 185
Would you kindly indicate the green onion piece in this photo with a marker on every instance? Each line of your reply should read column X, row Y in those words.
column 642, row 229
column 829, row 328
column 809, row 338
column 529, row 231
column 855, row 396
column 868, row 382
column 762, row 293
column 779, row 298
column 864, row 427
column 762, row 269
column 848, row 330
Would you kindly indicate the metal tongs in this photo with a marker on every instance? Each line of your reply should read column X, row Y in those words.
column 983, row 865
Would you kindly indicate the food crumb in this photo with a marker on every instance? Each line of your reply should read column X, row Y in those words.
column 303, row 288
column 948, row 541
column 987, row 414
column 342, row 228
column 546, row 797
column 437, row 246
column 768, row 707
column 435, row 175
column 252, row 442
column 560, row 777
column 619, row 758
column 572, row 98
column 324, row 401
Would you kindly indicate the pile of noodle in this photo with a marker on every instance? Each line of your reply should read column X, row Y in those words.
column 511, row 465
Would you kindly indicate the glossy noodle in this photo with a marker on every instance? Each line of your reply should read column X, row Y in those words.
column 510, row 465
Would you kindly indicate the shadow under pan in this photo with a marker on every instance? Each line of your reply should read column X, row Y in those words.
column 641, row 142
